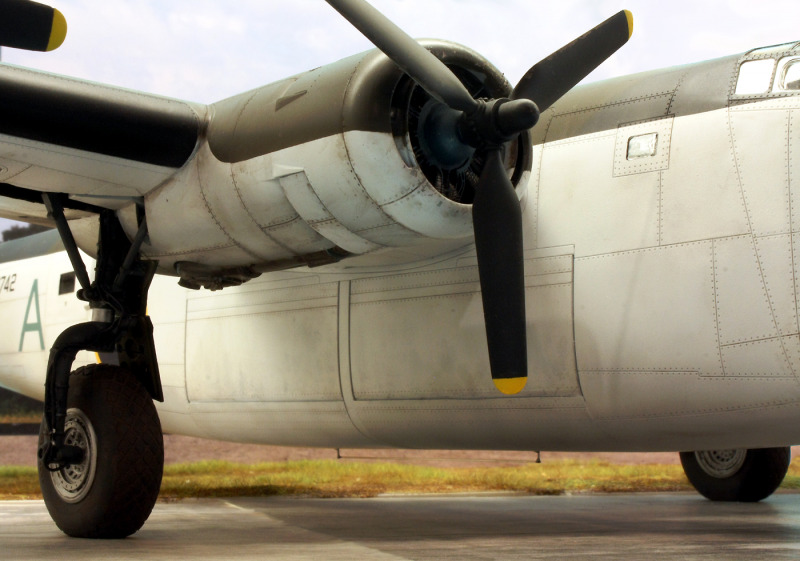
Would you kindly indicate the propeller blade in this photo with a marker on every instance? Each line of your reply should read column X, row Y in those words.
column 31, row 26
column 496, row 212
column 554, row 76
column 414, row 59
column 497, row 220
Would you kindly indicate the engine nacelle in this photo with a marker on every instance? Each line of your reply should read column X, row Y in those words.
column 327, row 164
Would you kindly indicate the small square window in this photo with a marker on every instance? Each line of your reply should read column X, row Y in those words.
column 67, row 283
column 755, row 77
column 642, row 146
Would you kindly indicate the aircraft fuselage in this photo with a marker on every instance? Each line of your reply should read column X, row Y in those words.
column 661, row 287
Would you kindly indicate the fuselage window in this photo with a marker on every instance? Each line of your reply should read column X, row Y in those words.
column 755, row 77
column 642, row 146
column 66, row 285
column 788, row 75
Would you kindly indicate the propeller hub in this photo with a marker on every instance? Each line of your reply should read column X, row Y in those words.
column 495, row 122
column 439, row 137
column 514, row 117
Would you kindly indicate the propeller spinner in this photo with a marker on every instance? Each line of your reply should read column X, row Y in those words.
column 31, row 26
column 490, row 124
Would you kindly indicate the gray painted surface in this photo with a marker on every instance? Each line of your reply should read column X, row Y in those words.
column 619, row 527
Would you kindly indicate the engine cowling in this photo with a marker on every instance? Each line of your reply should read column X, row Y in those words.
column 334, row 162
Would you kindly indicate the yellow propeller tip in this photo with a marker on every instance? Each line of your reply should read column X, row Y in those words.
column 510, row 386
column 629, row 16
column 58, row 32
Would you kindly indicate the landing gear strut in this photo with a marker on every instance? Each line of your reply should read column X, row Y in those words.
column 101, row 453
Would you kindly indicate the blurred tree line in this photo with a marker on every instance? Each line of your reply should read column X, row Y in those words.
column 11, row 403
column 16, row 232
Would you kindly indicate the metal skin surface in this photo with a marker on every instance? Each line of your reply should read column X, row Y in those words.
column 661, row 290
column 271, row 176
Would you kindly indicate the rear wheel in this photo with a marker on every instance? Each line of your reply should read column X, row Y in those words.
column 745, row 475
column 112, row 491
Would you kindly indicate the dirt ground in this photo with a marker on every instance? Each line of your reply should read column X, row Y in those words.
column 21, row 450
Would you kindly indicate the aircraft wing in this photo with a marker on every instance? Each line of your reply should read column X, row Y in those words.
column 100, row 145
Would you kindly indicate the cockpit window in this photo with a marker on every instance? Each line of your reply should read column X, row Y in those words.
column 788, row 75
column 772, row 50
column 755, row 77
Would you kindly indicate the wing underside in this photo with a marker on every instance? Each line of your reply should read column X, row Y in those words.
column 102, row 146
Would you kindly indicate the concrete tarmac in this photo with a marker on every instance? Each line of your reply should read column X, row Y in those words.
column 465, row 527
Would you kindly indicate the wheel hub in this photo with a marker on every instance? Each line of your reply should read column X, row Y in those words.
column 73, row 481
column 721, row 463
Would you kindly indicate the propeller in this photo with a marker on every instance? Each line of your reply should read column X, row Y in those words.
column 31, row 26
column 467, row 124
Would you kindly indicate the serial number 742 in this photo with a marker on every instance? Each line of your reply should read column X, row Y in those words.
column 7, row 282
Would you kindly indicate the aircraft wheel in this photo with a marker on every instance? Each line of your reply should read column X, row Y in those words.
column 745, row 475
column 112, row 491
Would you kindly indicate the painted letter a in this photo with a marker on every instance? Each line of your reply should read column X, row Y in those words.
column 32, row 325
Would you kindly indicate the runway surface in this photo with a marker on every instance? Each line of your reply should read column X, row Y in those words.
column 468, row 527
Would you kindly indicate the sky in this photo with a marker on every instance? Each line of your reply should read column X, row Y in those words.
column 206, row 50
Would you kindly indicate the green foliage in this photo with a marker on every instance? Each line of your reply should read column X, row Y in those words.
column 18, row 408
column 17, row 232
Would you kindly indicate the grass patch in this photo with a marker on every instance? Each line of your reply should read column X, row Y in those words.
column 18, row 483
column 331, row 478
column 21, row 418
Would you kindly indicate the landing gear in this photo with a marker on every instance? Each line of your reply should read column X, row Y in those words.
column 101, row 451
column 111, row 491
column 745, row 475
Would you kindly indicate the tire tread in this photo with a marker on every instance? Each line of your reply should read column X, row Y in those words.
column 761, row 474
column 130, row 456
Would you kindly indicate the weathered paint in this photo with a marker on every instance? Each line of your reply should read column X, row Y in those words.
column 661, row 291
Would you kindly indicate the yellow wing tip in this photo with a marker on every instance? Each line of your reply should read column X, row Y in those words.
column 629, row 16
column 58, row 32
column 510, row 386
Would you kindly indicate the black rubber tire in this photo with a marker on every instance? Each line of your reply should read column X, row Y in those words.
column 129, row 464
column 761, row 472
